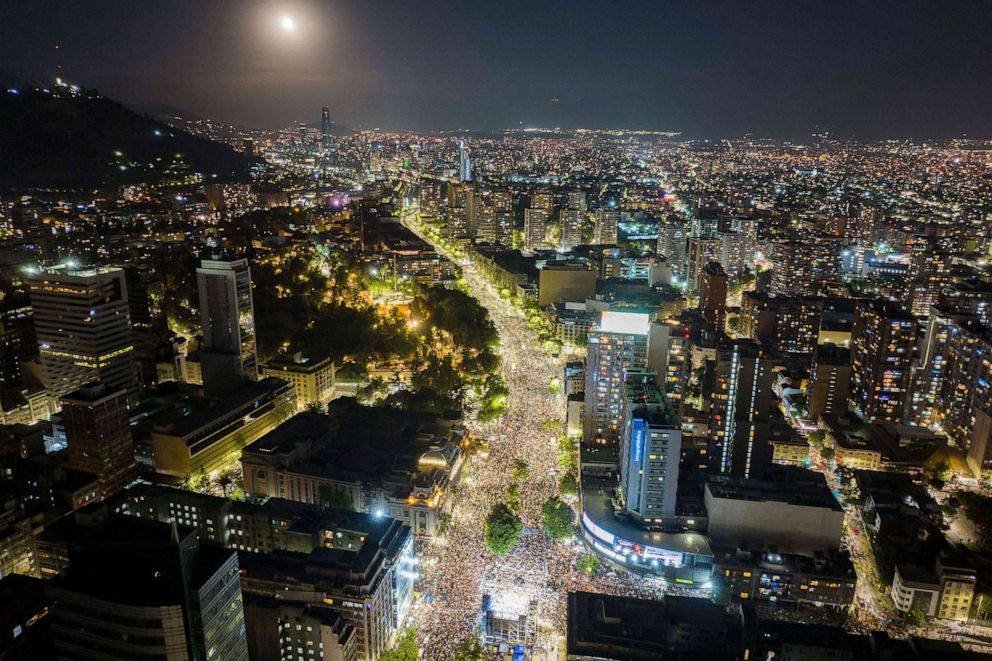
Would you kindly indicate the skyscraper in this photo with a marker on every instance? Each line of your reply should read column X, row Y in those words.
column 99, row 435
column 882, row 344
column 672, row 238
column 83, row 329
column 829, row 381
column 464, row 164
column 228, row 318
column 137, row 589
column 930, row 272
column 576, row 199
column 953, row 384
column 606, row 227
column 650, row 448
column 571, row 228
column 17, row 337
column 149, row 326
column 535, row 229
column 544, row 200
column 502, row 200
column 669, row 347
column 790, row 324
column 369, row 219
column 325, row 124
column 713, row 296
column 619, row 342
column 793, row 271
column 462, row 210
column 741, row 408
column 430, row 196
column 701, row 252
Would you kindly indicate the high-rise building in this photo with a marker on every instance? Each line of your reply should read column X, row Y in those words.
column 228, row 354
column 83, row 329
column 741, row 408
column 17, row 337
column 277, row 629
column 98, row 432
column 502, row 200
column 545, row 201
column 955, row 385
column 138, row 589
column 571, row 228
column 713, row 296
column 617, row 343
column 731, row 251
column 930, row 273
column 535, row 229
column 868, row 226
column 464, row 164
column 747, row 231
column 486, row 231
column 701, row 253
column 793, row 268
column 972, row 296
column 149, row 326
column 829, row 381
column 650, row 448
column 430, row 196
column 672, row 238
column 462, row 210
column 502, row 204
column 882, row 344
column 369, row 219
column 668, row 355
column 576, row 199
column 606, row 227
column 325, row 125
column 941, row 342
column 790, row 324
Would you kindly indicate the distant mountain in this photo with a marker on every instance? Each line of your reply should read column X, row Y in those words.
column 170, row 114
column 8, row 79
column 162, row 111
column 81, row 140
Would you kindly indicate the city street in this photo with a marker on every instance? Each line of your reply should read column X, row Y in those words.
column 457, row 569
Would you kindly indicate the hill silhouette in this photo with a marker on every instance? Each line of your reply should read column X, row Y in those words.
column 65, row 139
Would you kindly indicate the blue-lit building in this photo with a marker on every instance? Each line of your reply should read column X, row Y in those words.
column 650, row 447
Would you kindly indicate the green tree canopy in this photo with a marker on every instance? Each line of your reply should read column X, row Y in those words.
column 521, row 470
column 557, row 517
column 470, row 649
column 503, row 529
column 405, row 648
column 978, row 508
column 589, row 564
column 567, row 485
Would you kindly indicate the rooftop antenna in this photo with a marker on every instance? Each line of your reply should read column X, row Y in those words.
column 58, row 60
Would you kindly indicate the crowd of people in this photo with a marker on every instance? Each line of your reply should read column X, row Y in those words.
column 536, row 576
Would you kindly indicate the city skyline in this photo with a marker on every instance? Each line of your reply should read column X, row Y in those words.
column 529, row 393
column 712, row 70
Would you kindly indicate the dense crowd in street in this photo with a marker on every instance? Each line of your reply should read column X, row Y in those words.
column 457, row 569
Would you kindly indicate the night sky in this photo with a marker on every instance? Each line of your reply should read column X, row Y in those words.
column 866, row 69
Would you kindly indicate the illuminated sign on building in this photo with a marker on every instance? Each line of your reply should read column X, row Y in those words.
column 639, row 432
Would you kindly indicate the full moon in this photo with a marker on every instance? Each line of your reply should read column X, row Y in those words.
column 288, row 24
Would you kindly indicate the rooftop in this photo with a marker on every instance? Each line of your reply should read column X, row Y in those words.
column 800, row 488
